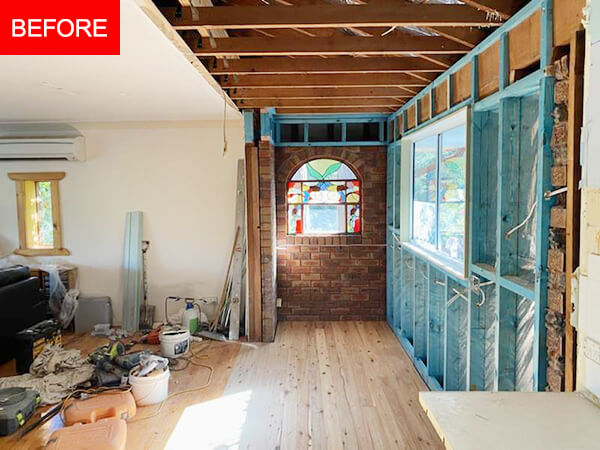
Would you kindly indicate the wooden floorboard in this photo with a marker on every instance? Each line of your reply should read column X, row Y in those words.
column 330, row 385
column 320, row 385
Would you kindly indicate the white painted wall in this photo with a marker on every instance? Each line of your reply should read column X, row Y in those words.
column 175, row 173
column 588, row 312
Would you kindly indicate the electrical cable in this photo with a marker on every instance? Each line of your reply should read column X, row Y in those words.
column 511, row 231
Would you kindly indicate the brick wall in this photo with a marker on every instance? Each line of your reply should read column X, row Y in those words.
column 334, row 277
column 268, row 256
column 555, row 314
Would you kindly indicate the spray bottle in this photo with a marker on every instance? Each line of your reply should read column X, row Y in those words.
column 191, row 316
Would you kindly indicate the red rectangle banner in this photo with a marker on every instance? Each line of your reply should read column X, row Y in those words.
column 60, row 27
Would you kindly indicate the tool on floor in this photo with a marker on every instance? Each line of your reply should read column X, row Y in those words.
column 106, row 434
column 120, row 405
column 43, row 418
column 211, row 335
column 146, row 310
column 112, row 364
column 31, row 341
column 17, row 405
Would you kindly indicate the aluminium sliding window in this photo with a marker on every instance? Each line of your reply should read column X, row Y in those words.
column 438, row 203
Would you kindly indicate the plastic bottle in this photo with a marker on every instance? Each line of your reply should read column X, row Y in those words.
column 191, row 317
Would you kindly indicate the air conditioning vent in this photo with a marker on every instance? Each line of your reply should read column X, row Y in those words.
column 69, row 148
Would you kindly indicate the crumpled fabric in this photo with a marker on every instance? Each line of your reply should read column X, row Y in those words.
column 53, row 374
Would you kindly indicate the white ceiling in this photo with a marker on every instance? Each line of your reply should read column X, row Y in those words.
column 150, row 80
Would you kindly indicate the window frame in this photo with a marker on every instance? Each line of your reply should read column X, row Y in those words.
column 442, row 260
column 345, row 204
column 54, row 178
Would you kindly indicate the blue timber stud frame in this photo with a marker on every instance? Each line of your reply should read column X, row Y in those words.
column 443, row 330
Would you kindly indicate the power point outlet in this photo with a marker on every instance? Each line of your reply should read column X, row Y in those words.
column 279, row 302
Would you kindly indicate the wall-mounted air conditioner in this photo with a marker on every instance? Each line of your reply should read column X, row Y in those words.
column 69, row 148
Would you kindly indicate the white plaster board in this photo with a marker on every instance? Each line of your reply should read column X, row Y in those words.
column 513, row 420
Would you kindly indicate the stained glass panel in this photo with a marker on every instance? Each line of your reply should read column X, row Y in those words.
column 295, row 219
column 294, row 192
column 324, row 169
column 318, row 196
column 353, row 191
column 324, row 192
column 353, row 218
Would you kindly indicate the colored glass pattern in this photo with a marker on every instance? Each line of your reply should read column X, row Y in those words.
column 324, row 198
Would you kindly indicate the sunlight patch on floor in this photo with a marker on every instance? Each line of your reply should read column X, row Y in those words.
column 216, row 424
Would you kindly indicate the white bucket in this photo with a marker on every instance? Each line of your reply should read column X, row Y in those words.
column 174, row 343
column 149, row 390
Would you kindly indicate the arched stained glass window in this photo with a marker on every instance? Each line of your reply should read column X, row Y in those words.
column 324, row 197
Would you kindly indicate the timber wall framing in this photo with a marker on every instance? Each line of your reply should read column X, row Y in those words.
column 454, row 343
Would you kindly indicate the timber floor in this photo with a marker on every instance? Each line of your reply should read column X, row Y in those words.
column 320, row 385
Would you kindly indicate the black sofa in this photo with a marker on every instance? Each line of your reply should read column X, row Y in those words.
column 21, row 306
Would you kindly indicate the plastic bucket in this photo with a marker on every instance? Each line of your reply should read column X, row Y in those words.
column 149, row 390
column 174, row 343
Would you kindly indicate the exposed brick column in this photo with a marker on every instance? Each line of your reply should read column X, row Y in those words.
column 266, row 167
column 334, row 277
column 555, row 315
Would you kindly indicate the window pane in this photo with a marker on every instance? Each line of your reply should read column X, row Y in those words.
column 452, row 193
column 353, row 192
column 324, row 192
column 328, row 132
column 424, row 191
column 39, row 228
column 362, row 132
column 353, row 218
column 324, row 169
column 294, row 192
column 295, row 219
column 291, row 132
column 324, row 219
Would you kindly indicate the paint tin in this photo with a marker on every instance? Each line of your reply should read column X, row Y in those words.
column 174, row 343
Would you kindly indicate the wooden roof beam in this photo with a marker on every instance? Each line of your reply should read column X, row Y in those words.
column 395, row 45
column 348, row 80
column 331, row 92
column 339, row 110
column 320, row 102
column 501, row 8
column 378, row 14
column 343, row 64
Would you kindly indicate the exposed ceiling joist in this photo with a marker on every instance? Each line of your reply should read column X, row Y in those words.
column 357, row 80
column 335, row 92
column 469, row 37
column 379, row 14
column 337, row 45
column 344, row 64
column 321, row 103
column 502, row 8
column 347, row 110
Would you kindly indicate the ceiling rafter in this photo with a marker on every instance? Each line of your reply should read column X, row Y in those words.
column 379, row 14
column 327, row 92
column 335, row 45
column 319, row 102
column 319, row 80
column 343, row 64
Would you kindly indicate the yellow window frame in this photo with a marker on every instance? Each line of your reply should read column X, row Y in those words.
column 23, row 187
